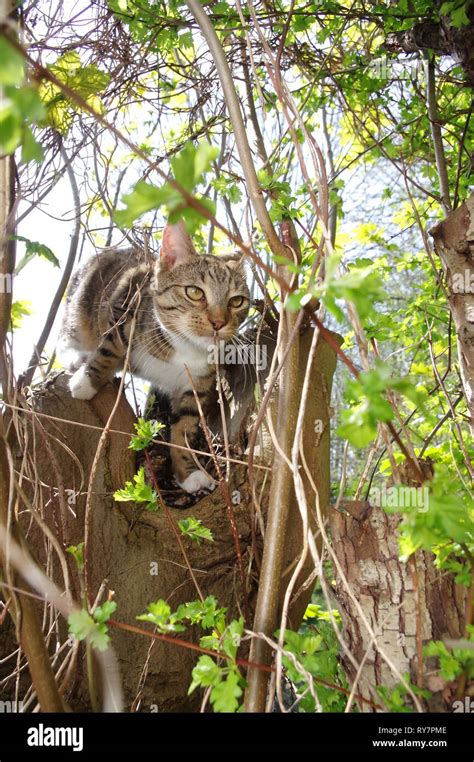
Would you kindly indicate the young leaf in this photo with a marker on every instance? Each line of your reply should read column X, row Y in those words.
column 146, row 431
column 12, row 67
column 138, row 492
column 34, row 249
column 194, row 529
column 82, row 625
column 225, row 695
column 103, row 613
column 159, row 614
column 77, row 551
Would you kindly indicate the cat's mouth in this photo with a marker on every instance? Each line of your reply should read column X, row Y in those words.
column 208, row 339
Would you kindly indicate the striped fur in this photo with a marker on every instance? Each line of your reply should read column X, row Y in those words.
column 170, row 311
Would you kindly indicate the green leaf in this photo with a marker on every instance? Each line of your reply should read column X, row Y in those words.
column 138, row 492
column 80, row 624
column 225, row 695
column 450, row 668
column 146, row 431
column 205, row 673
column 10, row 130
column 194, row 529
column 12, row 65
column 192, row 162
column 86, row 81
column 18, row 312
column 31, row 149
column 27, row 102
column 34, row 249
column 103, row 613
column 77, row 552
column 188, row 166
column 83, row 626
column 142, row 199
column 368, row 404
column 232, row 637
column 159, row 614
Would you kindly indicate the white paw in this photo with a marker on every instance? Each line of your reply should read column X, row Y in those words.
column 81, row 385
column 196, row 481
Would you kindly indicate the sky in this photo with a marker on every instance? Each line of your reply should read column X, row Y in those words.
column 38, row 281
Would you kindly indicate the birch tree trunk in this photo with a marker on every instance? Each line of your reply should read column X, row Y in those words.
column 406, row 605
column 454, row 243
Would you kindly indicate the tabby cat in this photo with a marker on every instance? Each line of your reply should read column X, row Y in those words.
column 170, row 311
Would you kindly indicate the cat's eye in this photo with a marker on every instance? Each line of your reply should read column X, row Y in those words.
column 194, row 293
column 236, row 301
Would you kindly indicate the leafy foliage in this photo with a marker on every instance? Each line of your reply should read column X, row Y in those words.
column 189, row 168
column 368, row 404
column 398, row 699
column 351, row 95
column 21, row 106
column 225, row 681
column 316, row 649
column 93, row 628
column 71, row 75
column 454, row 662
column 77, row 552
column 146, row 431
column 194, row 529
column 34, row 249
column 138, row 491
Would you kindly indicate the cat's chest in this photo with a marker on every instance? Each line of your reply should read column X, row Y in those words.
column 170, row 375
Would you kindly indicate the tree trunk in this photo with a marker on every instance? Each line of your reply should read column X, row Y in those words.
column 454, row 243
column 133, row 552
column 440, row 37
column 406, row 605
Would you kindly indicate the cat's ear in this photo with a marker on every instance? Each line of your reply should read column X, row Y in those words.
column 176, row 246
column 234, row 261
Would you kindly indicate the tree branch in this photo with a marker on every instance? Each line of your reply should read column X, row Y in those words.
column 235, row 114
column 436, row 134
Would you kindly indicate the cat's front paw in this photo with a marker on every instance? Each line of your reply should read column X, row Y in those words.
column 197, row 480
column 81, row 386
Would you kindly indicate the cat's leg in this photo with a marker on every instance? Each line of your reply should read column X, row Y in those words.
column 70, row 354
column 100, row 367
column 184, row 430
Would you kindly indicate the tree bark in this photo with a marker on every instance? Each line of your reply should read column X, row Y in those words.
column 407, row 605
column 454, row 244
column 284, row 535
column 441, row 38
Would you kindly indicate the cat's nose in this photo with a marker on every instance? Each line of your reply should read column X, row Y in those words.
column 217, row 324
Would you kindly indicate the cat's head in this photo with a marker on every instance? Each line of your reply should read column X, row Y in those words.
column 197, row 296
